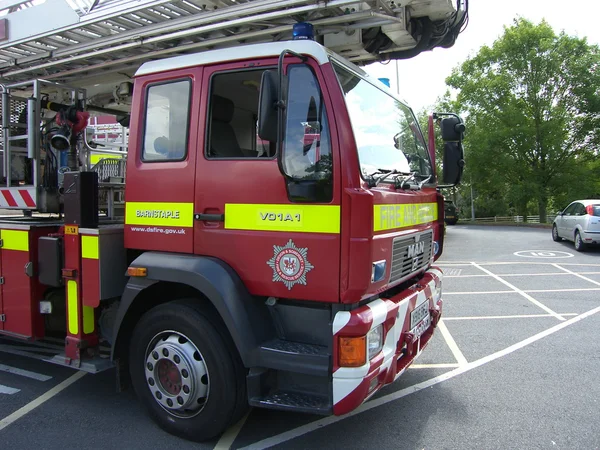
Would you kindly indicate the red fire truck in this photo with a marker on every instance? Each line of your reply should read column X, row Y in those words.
column 233, row 256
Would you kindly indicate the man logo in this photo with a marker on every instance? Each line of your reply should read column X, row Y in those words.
column 416, row 249
column 415, row 264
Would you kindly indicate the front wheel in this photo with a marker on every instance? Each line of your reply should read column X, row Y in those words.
column 555, row 235
column 184, row 371
column 579, row 245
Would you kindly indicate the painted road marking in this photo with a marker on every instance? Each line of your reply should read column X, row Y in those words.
column 554, row 274
column 12, row 349
column 516, row 316
column 512, row 263
column 8, row 390
column 527, row 290
column 41, row 399
column 577, row 275
column 230, row 434
column 433, row 366
column 452, row 272
column 460, row 358
column 519, row 291
column 543, row 254
column 24, row 373
column 319, row 424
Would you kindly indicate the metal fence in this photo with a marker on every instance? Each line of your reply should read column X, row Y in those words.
column 513, row 219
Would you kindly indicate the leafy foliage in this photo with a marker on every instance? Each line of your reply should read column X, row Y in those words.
column 531, row 104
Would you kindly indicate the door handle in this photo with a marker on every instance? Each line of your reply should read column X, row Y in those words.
column 210, row 217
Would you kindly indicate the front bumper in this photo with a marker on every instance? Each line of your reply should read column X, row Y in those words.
column 402, row 345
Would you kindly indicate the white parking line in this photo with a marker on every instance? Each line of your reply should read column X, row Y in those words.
column 8, row 390
column 554, row 274
column 460, row 358
column 38, row 401
column 577, row 275
column 320, row 424
column 516, row 316
column 227, row 438
column 24, row 373
column 519, row 291
column 511, row 263
column 528, row 290
column 433, row 366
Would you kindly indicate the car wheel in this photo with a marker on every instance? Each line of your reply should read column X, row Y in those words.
column 579, row 245
column 184, row 371
column 555, row 235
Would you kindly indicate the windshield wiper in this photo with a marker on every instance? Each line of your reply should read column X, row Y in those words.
column 385, row 173
column 416, row 185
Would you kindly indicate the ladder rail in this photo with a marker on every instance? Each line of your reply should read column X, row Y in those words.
column 111, row 32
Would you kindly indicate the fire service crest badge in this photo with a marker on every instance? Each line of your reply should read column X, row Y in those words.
column 290, row 264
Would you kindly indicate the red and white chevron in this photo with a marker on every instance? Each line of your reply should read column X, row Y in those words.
column 17, row 198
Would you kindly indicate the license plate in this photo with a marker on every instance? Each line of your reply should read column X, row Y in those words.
column 419, row 313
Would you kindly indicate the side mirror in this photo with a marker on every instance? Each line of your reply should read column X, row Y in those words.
column 452, row 129
column 268, row 111
column 453, row 163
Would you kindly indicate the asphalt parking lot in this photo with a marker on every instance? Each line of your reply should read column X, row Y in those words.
column 514, row 364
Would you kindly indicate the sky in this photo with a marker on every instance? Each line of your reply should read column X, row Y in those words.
column 422, row 78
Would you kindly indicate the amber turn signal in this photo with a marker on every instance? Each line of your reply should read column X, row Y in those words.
column 352, row 351
column 137, row 271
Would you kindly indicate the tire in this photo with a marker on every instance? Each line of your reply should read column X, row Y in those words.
column 579, row 245
column 555, row 235
column 452, row 221
column 186, row 371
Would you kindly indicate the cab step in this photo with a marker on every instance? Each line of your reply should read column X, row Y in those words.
column 294, row 401
column 280, row 354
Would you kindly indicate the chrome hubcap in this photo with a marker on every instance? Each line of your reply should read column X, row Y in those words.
column 176, row 374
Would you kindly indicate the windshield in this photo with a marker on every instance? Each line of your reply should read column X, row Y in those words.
column 387, row 134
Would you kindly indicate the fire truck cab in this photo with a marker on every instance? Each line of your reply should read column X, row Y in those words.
column 269, row 239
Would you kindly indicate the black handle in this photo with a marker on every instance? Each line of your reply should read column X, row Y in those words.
column 210, row 217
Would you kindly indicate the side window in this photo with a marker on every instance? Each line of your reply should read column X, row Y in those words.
column 233, row 116
column 307, row 147
column 580, row 210
column 570, row 209
column 166, row 123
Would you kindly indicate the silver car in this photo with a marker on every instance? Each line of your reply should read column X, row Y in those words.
column 579, row 222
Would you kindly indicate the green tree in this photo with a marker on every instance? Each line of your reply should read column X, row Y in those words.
column 532, row 110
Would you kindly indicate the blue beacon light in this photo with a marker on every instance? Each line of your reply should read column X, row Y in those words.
column 303, row 30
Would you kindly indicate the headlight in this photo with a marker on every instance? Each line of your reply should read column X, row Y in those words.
column 374, row 341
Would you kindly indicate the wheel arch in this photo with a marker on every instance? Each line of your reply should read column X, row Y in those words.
column 210, row 280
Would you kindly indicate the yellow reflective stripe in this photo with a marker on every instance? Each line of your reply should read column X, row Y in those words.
column 72, row 300
column 15, row 240
column 89, row 247
column 299, row 218
column 88, row 319
column 389, row 217
column 96, row 157
column 160, row 214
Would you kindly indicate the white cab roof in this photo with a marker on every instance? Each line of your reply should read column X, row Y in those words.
column 251, row 51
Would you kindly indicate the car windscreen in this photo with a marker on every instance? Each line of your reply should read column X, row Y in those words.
column 595, row 210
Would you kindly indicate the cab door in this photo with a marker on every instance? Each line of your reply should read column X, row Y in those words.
column 246, row 214
column 161, row 164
